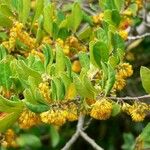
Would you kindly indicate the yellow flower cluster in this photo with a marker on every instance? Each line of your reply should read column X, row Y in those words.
column 28, row 119
column 14, row 31
column 101, row 110
column 71, row 46
column 97, row 19
column 137, row 111
column 9, row 139
column 58, row 116
column 123, row 71
column 44, row 89
column 55, row 117
column 72, row 113
column 27, row 39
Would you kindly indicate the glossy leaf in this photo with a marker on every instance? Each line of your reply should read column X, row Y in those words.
column 110, row 80
column 25, row 10
column 76, row 17
column 60, row 60
column 99, row 52
column 48, row 18
column 39, row 8
column 84, row 60
column 8, row 120
column 145, row 77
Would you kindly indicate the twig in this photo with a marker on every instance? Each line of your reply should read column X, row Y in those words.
column 90, row 141
column 76, row 134
column 138, row 36
column 130, row 98
column 87, row 124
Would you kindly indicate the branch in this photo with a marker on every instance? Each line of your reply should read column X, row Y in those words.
column 90, row 141
column 130, row 98
column 138, row 36
column 76, row 134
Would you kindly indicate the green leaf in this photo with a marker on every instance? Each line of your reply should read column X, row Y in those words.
column 116, row 109
column 99, row 52
column 54, row 91
column 87, row 18
column 84, row 33
column 10, row 106
column 107, row 4
column 5, row 73
column 5, row 21
column 3, row 52
column 24, row 70
column 116, row 17
column 68, row 66
column 25, row 11
column 110, row 80
column 76, row 17
column 119, row 4
column 55, row 138
column 84, row 60
column 5, row 10
column 29, row 140
column 60, row 60
column 83, row 88
column 39, row 9
column 60, row 88
column 129, row 141
column 102, row 34
column 145, row 77
column 40, row 32
column 29, row 96
column 48, row 53
column 37, row 108
column 89, row 87
column 8, row 120
column 48, row 18
column 118, row 42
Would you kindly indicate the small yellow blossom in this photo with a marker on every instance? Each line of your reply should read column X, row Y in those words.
column 101, row 110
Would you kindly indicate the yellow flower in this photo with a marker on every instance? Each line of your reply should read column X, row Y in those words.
column 138, row 111
column 45, row 90
column 125, row 70
column 126, row 108
column 119, row 83
column 28, row 119
column 55, row 117
column 101, row 110
column 123, row 34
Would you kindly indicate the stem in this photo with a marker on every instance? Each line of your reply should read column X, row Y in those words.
column 90, row 141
